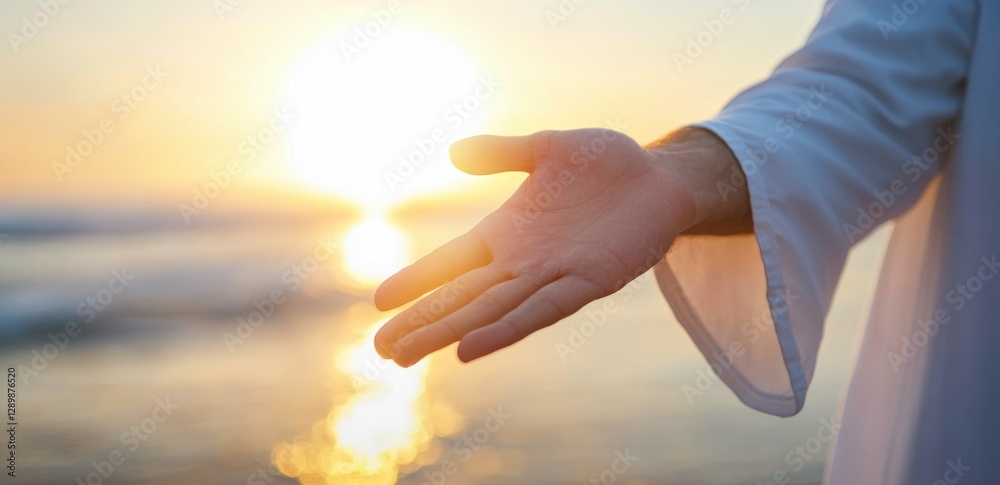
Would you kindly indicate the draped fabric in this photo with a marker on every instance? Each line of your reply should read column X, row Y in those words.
column 888, row 114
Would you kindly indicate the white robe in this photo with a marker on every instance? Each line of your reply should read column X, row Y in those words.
column 827, row 144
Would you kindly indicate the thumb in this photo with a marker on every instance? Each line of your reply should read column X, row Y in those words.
column 488, row 154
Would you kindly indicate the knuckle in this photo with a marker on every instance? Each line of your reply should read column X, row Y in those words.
column 453, row 332
column 541, row 145
column 488, row 301
column 593, row 288
column 513, row 330
column 548, row 300
column 445, row 258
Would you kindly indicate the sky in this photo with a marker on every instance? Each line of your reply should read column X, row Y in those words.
column 168, row 92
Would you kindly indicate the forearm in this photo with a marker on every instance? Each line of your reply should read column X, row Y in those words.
column 709, row 170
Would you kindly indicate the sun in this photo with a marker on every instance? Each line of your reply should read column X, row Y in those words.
column 374, row 250
column 372, row 124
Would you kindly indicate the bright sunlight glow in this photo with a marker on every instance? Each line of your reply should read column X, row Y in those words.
column 386, row 424
column 374, row 126
column 373, row 251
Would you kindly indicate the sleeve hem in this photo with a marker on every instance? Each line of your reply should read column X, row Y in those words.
column 766, row 237
column 745, row 390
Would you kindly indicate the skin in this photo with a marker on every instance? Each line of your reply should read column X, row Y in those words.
column 597, row 211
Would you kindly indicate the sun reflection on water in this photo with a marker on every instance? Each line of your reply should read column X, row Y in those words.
column 355, row 122
column 387, row 424
column 373, row 251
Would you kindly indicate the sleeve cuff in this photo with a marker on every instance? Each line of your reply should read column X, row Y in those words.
column 732, row 295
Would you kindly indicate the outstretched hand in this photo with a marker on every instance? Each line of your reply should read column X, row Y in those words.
column 596, row 211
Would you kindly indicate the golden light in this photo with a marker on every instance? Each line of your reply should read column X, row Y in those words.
column 373, row 251
column 380, row 422
column 373, row 124
column 387, row 424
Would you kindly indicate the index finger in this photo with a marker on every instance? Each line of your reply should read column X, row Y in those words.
column 455, row 258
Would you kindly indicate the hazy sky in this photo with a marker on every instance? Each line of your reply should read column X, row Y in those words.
column 224, row 75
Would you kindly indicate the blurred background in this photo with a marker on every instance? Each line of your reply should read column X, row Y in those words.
column 198, row 198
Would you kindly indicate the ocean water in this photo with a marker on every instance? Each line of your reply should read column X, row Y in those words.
column 152, row 388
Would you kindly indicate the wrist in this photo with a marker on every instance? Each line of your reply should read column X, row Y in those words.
column 699, row 160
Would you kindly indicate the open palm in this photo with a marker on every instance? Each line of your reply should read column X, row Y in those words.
column 597, row 211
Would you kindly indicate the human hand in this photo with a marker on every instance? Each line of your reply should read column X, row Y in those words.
column 596, row 211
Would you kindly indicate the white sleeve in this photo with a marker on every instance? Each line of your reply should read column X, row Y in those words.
column 843, row 136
